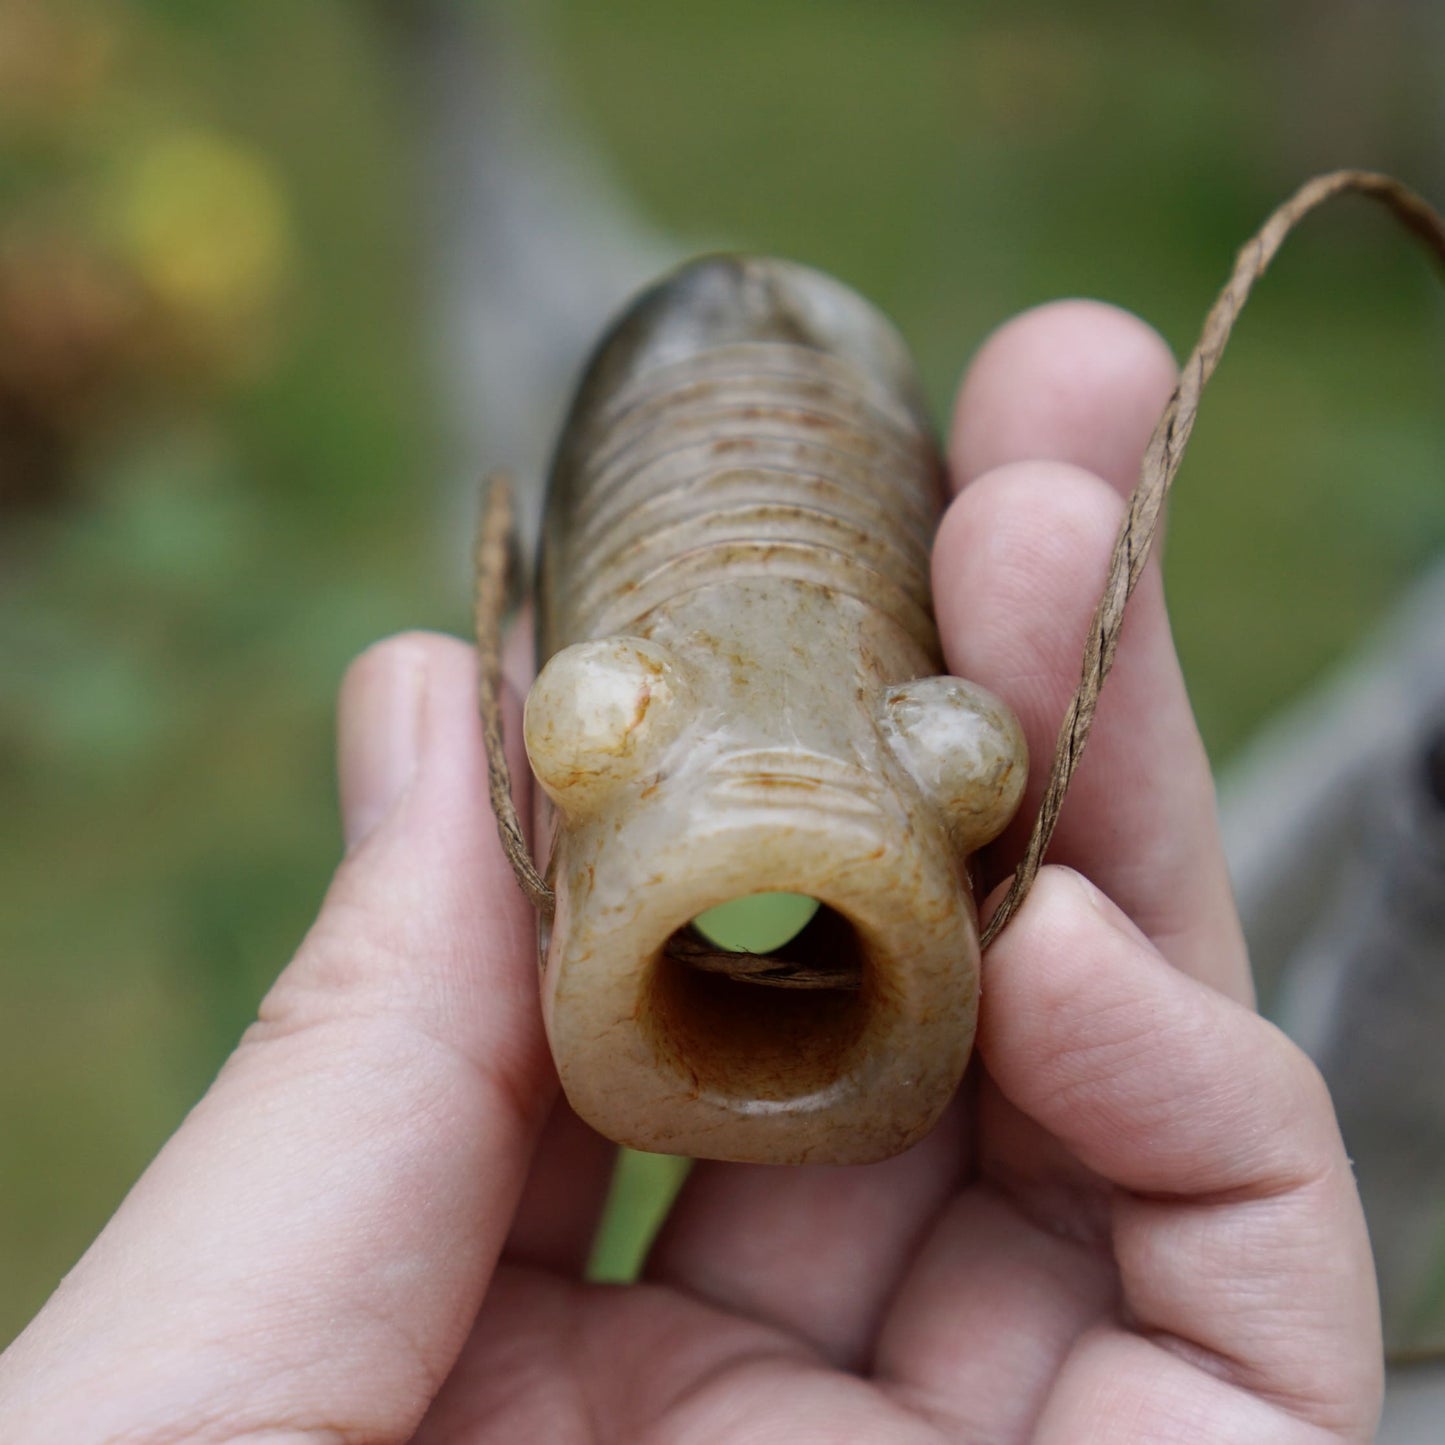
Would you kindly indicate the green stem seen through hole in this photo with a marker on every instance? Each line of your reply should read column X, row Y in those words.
column 759, row 923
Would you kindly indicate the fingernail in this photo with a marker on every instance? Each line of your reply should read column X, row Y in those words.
column 1105, row 907
column 378, row 735
column 1092, row 896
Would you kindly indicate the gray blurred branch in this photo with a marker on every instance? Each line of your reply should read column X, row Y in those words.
column 1335, row 826
column 531, row 245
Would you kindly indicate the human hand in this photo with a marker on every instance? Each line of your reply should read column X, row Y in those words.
column 1137, row 1224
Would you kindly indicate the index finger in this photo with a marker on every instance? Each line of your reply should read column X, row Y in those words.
column 1051, row 425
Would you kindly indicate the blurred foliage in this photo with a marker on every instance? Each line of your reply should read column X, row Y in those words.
column 217, row 487
column 220, row 465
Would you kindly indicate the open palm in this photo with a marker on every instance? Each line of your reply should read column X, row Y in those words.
column 1137, row 1223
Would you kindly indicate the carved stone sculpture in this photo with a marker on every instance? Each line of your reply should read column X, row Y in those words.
column 741, row 694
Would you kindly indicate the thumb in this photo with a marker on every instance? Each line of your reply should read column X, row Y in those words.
column 307, row 1252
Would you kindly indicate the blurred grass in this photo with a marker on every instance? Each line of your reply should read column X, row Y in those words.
column 171, row 638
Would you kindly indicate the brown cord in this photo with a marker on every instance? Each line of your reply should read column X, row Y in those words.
column 494, row 567
column 1131, row 548
column 761, row 969
column 1161, row 462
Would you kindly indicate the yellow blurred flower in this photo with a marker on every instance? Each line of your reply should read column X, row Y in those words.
column 203, row 220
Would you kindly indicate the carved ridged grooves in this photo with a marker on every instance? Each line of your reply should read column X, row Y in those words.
column 752, row 459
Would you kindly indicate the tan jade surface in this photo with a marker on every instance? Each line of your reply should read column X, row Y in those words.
column 740, row 695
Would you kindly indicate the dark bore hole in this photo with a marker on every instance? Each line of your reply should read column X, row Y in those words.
column 769, row 1025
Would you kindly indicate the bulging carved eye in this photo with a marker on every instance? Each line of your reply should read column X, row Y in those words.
column 964, row 748
column 596, row 716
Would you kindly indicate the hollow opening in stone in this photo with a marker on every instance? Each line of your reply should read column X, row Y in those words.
column 761, row 1025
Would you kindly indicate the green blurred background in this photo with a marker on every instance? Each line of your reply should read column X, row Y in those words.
column 221, row 471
